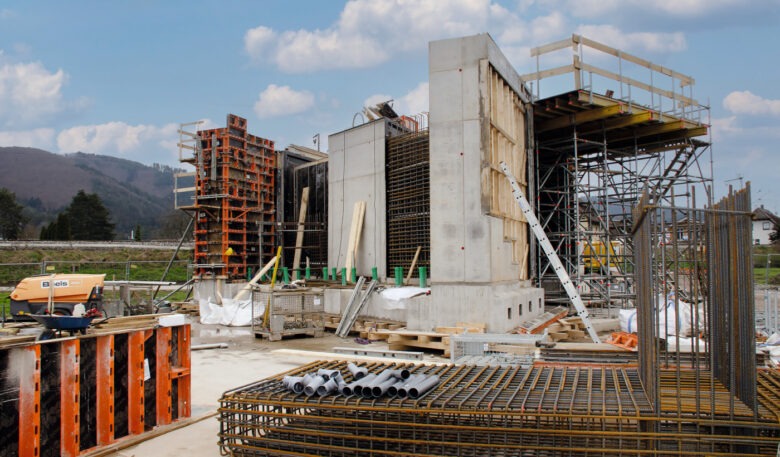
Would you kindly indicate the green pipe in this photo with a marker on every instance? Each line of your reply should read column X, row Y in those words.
column 374, row 274
column 333, row 273
column 286, row 275
column 423, row 271
column 399, row 276
column 353, row 275
column 344, row 276
column 308, row 273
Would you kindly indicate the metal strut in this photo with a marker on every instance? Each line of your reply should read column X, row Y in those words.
column 571, row 291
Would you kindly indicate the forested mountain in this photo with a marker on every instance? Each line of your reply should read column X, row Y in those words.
column 134, row 193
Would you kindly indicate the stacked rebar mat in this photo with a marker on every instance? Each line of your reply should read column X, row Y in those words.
column 475, row 411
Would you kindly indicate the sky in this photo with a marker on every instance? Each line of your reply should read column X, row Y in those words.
column 117, row 78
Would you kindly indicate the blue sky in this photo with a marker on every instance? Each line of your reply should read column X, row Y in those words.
column 117, row 78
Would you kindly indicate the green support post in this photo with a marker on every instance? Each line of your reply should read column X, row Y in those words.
column 399, row 276
column 298, row 274
column 344, row 276
column 333, row 273
column 374, row 274
column 308, row 273
column 286, row 275
column 353, row 275
column 324, row 273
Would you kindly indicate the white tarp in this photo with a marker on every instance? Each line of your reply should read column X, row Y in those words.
column 396, row 297
column 669, row 323
column 231, row 313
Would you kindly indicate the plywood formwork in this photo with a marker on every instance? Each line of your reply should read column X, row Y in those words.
column 234, row 201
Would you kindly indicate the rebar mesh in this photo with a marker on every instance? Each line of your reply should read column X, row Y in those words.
column 408, row 200
column 479, row 411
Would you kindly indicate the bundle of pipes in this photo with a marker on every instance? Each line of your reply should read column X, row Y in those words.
column 392, row 382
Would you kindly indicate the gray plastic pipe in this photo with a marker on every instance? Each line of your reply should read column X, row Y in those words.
column 348, row 389
column 403, row 391
column 393, row 390
column 327, row 388
column 290, row 381
column 311, row 387
column 328, row 374
column 380, row 389
column 356, row 371
column 364, row 381
column 421, row 388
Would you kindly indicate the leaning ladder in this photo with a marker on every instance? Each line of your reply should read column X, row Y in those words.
column 571, row 291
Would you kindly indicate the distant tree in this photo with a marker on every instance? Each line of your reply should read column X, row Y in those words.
column 11, row 218
column 86, row 219
column 774, row 237
column 173, row 225
column 89, row 219
column 137, row 233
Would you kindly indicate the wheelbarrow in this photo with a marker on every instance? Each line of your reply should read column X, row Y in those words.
column 54, row 324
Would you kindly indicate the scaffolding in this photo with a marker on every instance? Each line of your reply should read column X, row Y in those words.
column 232, row 198
column 597, row 148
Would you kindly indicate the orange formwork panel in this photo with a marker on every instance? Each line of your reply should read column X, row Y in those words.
column 28, row 362
column 69, row 398
column 63, row 392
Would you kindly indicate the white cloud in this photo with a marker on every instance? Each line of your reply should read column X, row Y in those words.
column 656, row 42
column 42, row 138
column 142, row 143
column 29, row 93
column 745, row 102
column 277, row 101
column 370, row 32
column 416, row 101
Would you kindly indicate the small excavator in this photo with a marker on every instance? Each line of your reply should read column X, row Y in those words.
column 57, row 294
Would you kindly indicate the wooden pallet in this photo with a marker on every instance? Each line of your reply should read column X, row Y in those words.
column 364, row 326
column 569, row 329
column 403, row 340
column 540, row 323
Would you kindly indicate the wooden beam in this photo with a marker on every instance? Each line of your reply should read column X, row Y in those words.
column 562, row 70
column 414, row 264
column 633, row 82
column 299, row 234
column 550, row 47
column 582, row 117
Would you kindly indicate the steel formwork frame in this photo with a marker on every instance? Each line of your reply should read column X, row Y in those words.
column 79, row 395
column 234, row 201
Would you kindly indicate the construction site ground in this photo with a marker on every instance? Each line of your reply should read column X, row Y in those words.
column 245, row 360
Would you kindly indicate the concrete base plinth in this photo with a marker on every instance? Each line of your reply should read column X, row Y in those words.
column 501, row 307
column 336, row 302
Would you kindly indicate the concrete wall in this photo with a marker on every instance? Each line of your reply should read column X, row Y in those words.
column 474, row 277
column 356, row 171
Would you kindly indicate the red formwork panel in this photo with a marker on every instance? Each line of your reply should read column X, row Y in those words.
column 64, row 434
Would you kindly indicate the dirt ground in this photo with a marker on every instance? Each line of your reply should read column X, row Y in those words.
column 215, row 371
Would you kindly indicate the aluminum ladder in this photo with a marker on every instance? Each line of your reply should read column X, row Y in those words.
column 536, row 227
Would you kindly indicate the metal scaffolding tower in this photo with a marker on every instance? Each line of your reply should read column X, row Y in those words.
column 597, row 148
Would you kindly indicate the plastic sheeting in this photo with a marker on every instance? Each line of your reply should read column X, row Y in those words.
column 669, row 323
column 231, row 313
column 397, row 297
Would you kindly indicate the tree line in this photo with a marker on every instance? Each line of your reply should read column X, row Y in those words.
column 85, row 219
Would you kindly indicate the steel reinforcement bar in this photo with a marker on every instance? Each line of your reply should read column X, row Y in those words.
column 483, row 411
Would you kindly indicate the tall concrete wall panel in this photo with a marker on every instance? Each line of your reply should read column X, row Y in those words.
column 356, row 171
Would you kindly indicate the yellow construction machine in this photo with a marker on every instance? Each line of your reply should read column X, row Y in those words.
column 57, row 294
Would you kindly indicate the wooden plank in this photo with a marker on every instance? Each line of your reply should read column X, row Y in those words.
column 358, row 211
column 633, row 82
column 550, row 47
column 299, row 234
column 562, row 70
column 414, row 263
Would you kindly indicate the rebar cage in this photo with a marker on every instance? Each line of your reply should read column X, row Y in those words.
column 280, row 312
column 550, row 410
